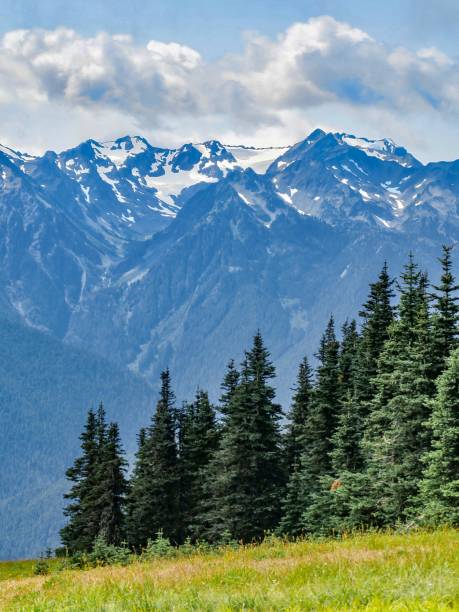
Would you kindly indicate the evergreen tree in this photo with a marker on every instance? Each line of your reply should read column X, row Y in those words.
column 446, row 314
column 83, row 475
column 153, row 498
column 247, row 477
column 396, row 436
column 377, row 314
column 440, row 486
column 198, row 444
column 315, row 463
column 292, row 509
column 111, row 488
column 298, row 415
column 347, row 361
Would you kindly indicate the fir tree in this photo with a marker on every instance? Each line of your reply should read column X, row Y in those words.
column 83, row 475
column 377, row 314
column 111, row 488
column 396, row 436
column 246, row 474
column 298, row 415
column 440, row 486
column 198, row 443
column 347, row 357
column 319, row 430
column 153, row 498
column 446, row 314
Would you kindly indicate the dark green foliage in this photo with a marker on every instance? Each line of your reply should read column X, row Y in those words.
column 246, row 477
column 397, row 436
column 372, row 442
column 377, row 314
column 446, row 314
column 83, row 524
column 111, row 488
column 347, row 363
column 199, row 438
column 440, row 486
column 99, row 487
column 315, row 462
column 153, row 501
column 298, row 415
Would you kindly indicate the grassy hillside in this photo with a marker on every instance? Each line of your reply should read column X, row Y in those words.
column 373, row 572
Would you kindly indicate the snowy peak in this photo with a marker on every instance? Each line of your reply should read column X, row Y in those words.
column 384, row 149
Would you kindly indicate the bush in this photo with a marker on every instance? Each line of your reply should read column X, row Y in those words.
column 108, row 554
column 159, row 547
column 41, row 566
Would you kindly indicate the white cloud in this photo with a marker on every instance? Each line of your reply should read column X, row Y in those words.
column 57, row 87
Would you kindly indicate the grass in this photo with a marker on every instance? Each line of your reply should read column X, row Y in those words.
column 373, row 572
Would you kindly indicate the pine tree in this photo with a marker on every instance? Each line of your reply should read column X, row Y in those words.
column 446, row 314
column 292, row 508
column 83, row 476
column 440, row 486
column 111, row 488
column 347, row 361
column 298, row 415
column 315, row 463
column 377, row 314
column 85, row 511
column 153, row 499
column 198, row 444
column 396, row 436
column 246, row 474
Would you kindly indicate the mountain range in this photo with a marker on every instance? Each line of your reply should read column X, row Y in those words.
column 137, row 257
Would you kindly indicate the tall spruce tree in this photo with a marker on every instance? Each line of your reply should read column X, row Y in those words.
column 292, row 508
column 83, row 475
column 396, row 436
column 247, row 474
column 347, row 360
column 315, row 463
column 377, row 314
column 198, row 444
column 298, row 415
column 440, row 485
column 445, row 326
column 110, row 492
column 153, row 501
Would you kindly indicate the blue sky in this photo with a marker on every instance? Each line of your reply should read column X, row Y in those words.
column 239, row 70
column 216, row 27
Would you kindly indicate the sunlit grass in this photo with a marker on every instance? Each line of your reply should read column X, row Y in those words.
column 419, row 571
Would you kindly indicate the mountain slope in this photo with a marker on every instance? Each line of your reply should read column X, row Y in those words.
column 46, row 390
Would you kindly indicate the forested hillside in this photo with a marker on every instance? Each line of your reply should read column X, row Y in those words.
column 46, row 389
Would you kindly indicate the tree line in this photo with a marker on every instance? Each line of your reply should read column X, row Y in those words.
column 371, row 439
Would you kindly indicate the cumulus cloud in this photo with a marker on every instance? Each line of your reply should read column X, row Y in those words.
column 307, row 72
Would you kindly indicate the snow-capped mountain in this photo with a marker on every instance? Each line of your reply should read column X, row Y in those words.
column 155, row 257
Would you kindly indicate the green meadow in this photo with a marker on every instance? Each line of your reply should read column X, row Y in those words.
column 417, row 571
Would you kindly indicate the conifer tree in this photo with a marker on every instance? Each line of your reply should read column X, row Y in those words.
column 292, row 507
column 198, row 444
column 396, row 436
column 153, row 498
column 347, row 361
column 298, row 415
column 446, row 314
column 111, row 488
column 440, row 486
column 377, row 314
column 247, row 474
column 83, row 475
column 315, row 461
